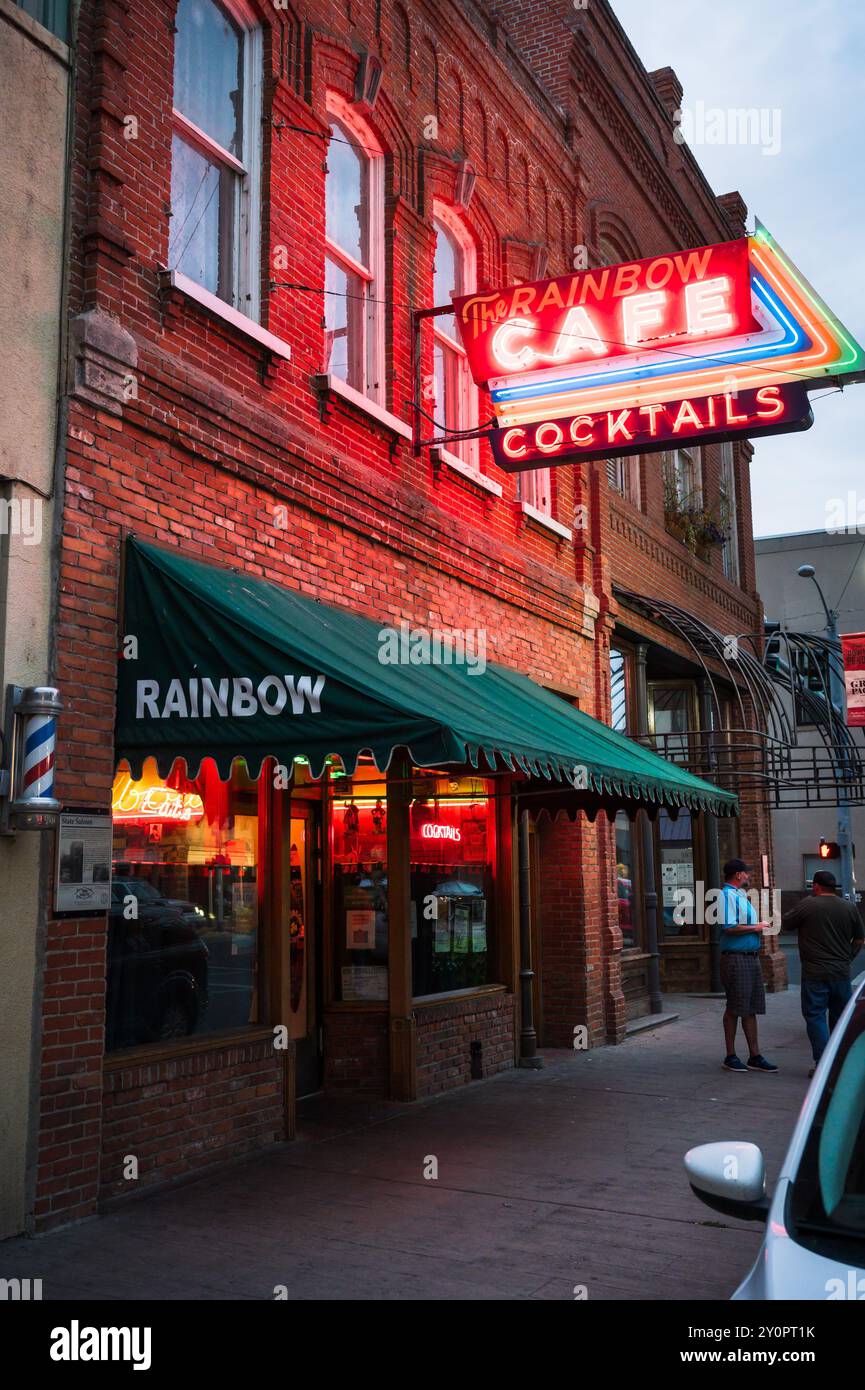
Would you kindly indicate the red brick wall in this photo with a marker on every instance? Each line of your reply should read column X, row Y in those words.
column 446, row 1031
column 70, row 1080
column 179, row 1116
column 356, row 1054
column 216, row 437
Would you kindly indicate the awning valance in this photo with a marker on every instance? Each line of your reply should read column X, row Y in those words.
column 219, row 664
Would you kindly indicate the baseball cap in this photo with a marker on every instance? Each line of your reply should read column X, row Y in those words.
column 736, row 866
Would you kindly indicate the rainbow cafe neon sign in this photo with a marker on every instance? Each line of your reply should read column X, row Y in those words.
column 698, row 346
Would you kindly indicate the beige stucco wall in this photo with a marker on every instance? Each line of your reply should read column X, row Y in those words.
column 33, row 116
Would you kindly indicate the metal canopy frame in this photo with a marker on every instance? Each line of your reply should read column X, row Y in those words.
column 760, row 756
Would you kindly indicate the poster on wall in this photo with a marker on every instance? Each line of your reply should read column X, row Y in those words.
column 83, row 869
column 364, row 982
column 853, row 650
column 360, row 929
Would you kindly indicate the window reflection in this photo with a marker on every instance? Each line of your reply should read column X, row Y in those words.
column 183, row 945
column 452, row 853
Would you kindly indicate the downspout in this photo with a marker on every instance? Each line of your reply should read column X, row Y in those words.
column 528, row 1037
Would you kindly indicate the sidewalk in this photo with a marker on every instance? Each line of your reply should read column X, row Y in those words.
column 546, row 1180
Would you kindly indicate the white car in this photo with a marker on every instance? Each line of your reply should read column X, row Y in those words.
column 814, row 1244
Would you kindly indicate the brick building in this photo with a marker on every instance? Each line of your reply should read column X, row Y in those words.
column 260, row 194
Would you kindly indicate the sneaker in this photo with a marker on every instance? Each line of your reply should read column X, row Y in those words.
column 732, row 1063
column 759, row 1063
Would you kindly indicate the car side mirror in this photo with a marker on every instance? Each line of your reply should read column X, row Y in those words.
column 729, row 1177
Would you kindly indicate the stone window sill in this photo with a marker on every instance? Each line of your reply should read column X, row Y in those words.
column 329, row 385
column 541, row 519
column 444, row 458
column 175, row 280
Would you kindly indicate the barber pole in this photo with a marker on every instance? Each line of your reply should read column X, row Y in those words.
column 37, row 781
column 35, row 710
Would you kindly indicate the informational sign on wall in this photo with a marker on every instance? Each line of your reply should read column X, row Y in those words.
column 853, row 649
column 83, row 877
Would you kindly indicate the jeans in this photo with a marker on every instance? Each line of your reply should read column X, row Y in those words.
column 818, row 997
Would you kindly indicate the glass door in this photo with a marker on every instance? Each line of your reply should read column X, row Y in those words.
column 300, row 876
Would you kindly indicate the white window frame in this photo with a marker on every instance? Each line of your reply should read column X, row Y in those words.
column 684, row 461
column 465, row 410
column 535, row 489
column 727, row 477
column 246, row 262
column 367, row 362
column 623, row 475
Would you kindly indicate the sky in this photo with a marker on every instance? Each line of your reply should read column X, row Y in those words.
column 802, row 61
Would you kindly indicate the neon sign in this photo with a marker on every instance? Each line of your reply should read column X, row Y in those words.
column 148, row 802
column 631, row 348
column 602, row 314
column 432, row 830
column 648, row 428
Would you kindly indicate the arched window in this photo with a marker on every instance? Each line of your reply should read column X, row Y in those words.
column 354, row 253
column 456, row 396
column 215, row 157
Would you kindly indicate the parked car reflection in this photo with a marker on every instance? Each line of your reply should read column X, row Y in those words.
column 157, row 976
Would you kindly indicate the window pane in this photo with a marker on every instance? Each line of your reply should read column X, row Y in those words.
column 360, row 904
column 201, row 241
column 344, row 303
column 447, row 387
column 671, row 711
column 618, row 692
column 345, row 196
column 183, row 927
column 446, row 279
column 625, row 876
column 208, row 86
column 677, row 873
column 451, row 847
column 729, row 519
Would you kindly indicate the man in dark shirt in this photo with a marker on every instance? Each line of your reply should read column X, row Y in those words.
column 830, row 936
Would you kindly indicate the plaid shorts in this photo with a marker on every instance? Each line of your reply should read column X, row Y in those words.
column 742, row 978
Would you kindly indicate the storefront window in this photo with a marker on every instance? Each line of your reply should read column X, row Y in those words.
column 626, row 876
column 183, row 939
column 360, row 902
column 452, row 852
column 676, row 843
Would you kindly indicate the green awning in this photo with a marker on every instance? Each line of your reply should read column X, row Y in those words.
column 224, row 665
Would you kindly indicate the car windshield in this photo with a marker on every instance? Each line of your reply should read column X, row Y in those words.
column 827, row 1204
column 142, row 890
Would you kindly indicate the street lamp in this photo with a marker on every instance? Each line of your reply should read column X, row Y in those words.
column 837, row 697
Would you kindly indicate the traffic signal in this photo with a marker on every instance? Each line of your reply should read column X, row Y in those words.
column 829, row 849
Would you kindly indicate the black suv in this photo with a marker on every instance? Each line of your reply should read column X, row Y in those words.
column 157, row 968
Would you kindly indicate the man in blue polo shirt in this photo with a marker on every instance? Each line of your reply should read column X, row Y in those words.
column 741, row 973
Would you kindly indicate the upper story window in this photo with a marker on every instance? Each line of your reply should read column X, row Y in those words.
column 215, row 156
column 623, row 475
column 535, row 488
column 354, row 300
column 729, row 513
column 619, row 690
column 51, row 14
column 683, row 476
column 456, row 396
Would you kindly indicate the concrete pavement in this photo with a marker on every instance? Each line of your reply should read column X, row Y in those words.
column 571, row 1176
